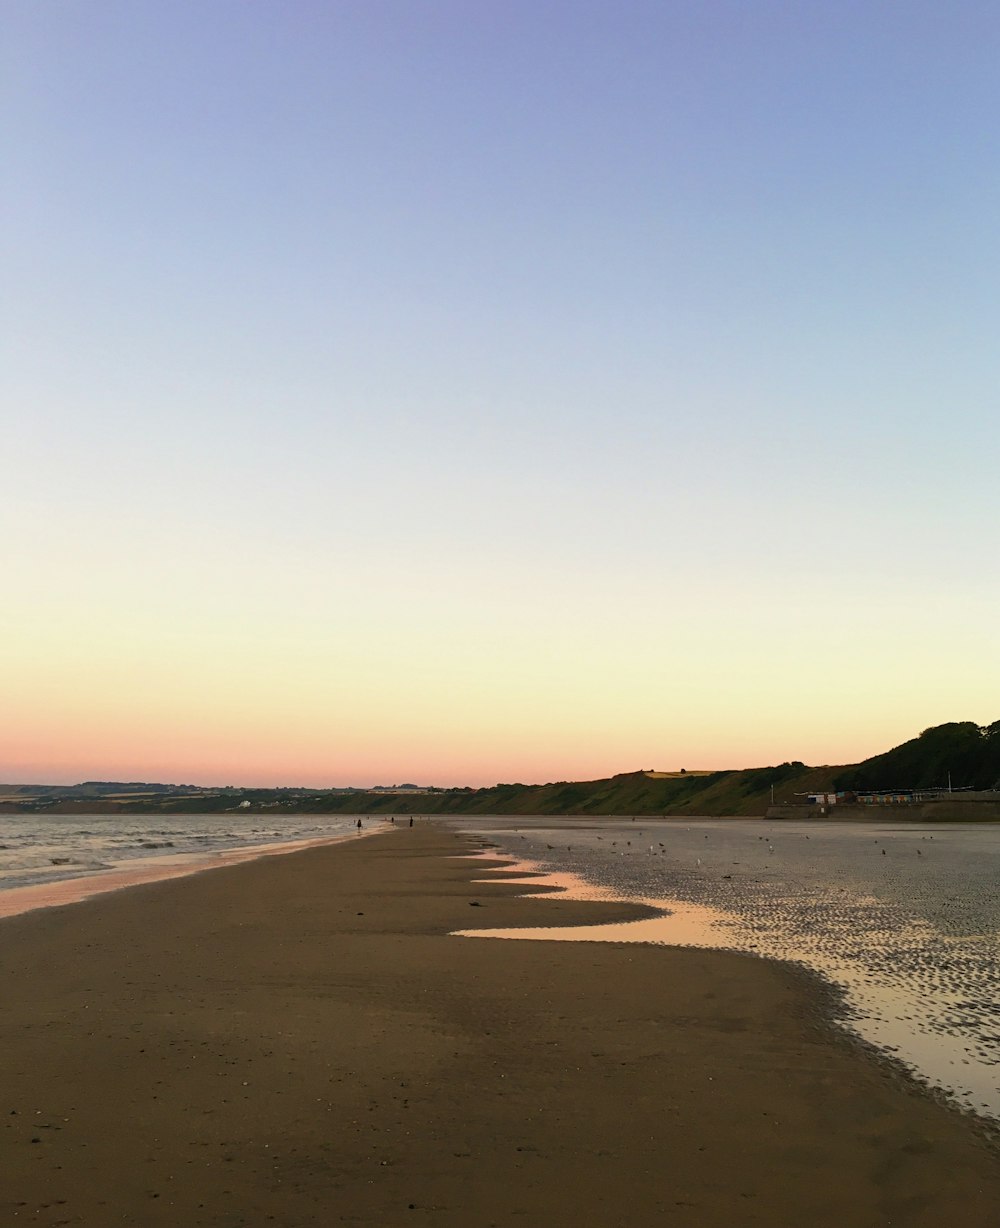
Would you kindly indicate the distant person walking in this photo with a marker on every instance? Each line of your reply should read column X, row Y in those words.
column 411, row 820
column 359, row 824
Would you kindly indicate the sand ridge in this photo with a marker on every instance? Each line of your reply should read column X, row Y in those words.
column 298, row 1040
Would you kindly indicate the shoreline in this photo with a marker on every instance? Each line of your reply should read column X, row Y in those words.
column 139, row 871
column 300, row 1040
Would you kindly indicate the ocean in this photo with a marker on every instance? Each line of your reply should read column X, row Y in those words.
column 37, row 849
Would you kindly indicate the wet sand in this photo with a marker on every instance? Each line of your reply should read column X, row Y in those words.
column 298, row 1040
column 903, row 917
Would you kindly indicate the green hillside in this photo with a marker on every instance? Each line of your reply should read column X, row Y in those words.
column 718, row 793
column 967, row 753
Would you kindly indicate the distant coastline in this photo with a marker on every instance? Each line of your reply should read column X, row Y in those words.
column 948, row 772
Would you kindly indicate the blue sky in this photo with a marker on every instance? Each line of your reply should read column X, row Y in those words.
column 496, row 390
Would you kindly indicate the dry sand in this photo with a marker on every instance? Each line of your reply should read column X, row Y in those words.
column 298, row 1041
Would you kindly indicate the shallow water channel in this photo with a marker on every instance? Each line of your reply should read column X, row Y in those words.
column 904, row 918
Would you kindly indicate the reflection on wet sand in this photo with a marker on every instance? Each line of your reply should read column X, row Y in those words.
column 678, row 924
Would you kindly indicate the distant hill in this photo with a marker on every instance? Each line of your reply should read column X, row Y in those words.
column 714, row 793
column 745, row 792
column 967, row 753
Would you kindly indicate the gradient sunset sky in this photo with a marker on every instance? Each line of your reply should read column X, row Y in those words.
column 456, row 392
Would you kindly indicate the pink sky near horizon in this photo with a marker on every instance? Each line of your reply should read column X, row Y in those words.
column 191, row 755
column 198, row 671
column 190, row 675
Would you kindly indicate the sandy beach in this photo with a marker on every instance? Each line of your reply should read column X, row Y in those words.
column 298, row 1040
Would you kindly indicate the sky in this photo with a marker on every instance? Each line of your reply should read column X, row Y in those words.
column 461, row 392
